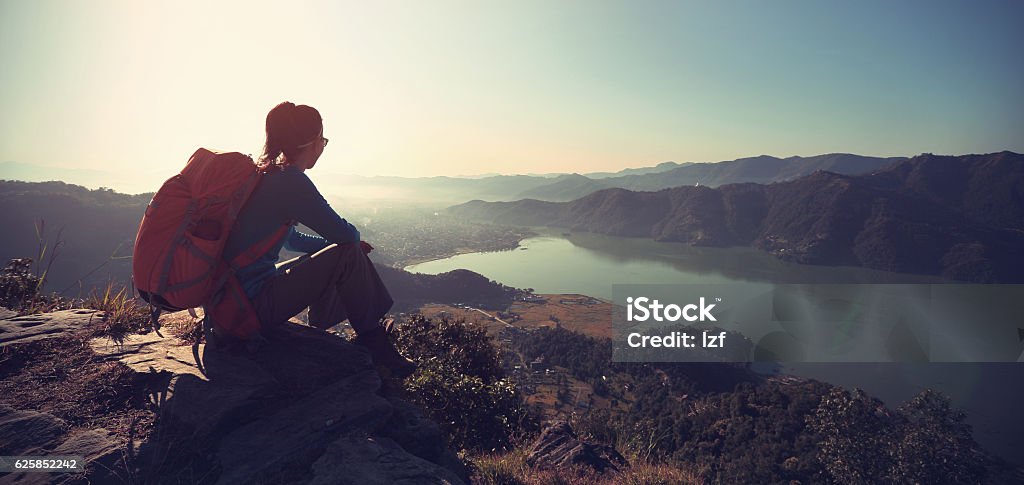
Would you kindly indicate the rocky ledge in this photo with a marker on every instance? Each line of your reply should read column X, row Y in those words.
column 306, row 407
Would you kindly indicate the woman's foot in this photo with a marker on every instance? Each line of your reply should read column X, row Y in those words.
column 384, row 353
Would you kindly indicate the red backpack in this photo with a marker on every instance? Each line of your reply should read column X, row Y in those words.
column 177, row 263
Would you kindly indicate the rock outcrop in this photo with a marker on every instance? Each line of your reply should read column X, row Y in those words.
column 23, row 329
column 28, row 433
column 306, row 407
column 559, row 447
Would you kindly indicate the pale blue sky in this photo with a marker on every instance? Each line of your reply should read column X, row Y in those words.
column 462, row 87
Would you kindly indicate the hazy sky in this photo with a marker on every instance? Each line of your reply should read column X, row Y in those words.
column 462, row 87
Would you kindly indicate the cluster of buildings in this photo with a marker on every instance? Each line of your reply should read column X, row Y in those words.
column 427, row 238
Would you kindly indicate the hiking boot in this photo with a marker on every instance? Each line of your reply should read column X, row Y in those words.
column 384, row 353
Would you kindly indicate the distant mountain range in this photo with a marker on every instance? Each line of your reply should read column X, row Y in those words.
column 661, row 167
column 443, row 190
column 86, row 233
column 961, row 217
column 565, row 187
column 763, row 169
column 145, row 180
column 450, row 190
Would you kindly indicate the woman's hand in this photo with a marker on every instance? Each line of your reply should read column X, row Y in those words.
column 365, row 246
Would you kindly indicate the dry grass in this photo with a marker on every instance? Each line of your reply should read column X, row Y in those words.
column 183, row 326
column 512, row 469
column 122, row 313
column 64, row 377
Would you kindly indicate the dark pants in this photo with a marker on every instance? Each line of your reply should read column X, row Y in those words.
column 337, row 282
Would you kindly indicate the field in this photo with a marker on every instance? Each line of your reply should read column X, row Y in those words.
column 578, row 313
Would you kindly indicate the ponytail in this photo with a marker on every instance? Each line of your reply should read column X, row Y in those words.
column 288, row 127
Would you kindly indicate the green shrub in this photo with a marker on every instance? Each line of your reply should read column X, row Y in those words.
column 21, row 290
column 461, row 384
column 18, row 285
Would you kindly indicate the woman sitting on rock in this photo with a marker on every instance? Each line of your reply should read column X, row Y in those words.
column 336, row 278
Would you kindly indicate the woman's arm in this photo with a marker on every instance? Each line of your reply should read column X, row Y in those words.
column 311, row 209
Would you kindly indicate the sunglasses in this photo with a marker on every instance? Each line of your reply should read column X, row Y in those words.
column 321, row 137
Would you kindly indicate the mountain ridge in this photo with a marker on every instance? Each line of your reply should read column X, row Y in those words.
column 956, row 216
column 758, row 169
column 552, row 186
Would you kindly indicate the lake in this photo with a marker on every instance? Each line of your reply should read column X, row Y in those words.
column 557, row 262
column 589, row 263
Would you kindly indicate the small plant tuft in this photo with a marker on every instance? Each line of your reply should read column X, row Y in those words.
column 122, row 312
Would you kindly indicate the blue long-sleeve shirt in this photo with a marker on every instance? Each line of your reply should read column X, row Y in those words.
column 284, row 196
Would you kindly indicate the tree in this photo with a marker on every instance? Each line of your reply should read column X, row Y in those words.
column 924, row 441
column 855, row 436
column 460, row 383
column 936, row 445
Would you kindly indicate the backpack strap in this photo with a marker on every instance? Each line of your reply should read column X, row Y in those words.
column 254, row 252
column 154, row 318
column 176, row 240
column 230, row 310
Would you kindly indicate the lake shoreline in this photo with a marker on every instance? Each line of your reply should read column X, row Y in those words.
column 582, row 262
column 405, row 265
